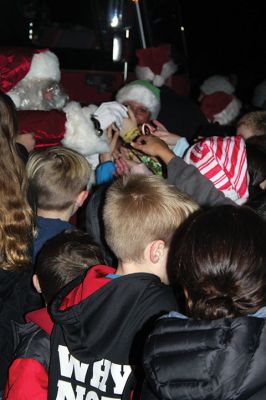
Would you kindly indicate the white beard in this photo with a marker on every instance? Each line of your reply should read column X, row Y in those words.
column 38, row 94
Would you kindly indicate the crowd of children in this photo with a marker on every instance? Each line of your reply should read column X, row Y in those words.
column 160, row 292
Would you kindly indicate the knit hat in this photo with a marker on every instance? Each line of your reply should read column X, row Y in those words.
column 217, row 83
column 220, row 107
column 224, row 162
column 142, row 92
column 155, row 64
column 21, row 66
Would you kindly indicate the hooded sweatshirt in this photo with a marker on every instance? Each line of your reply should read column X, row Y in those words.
column 100, row 328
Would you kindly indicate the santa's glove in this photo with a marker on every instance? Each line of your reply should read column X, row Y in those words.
column 108, row 113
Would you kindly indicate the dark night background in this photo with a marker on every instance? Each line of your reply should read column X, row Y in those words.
column 220, row 36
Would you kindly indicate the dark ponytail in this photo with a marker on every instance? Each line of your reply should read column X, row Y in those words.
column 219, row 256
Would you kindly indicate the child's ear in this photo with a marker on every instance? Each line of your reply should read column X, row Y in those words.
column 36, row 284
column 157, row 251
column 82, row 197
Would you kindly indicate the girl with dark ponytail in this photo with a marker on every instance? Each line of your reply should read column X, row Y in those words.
column 216, row 348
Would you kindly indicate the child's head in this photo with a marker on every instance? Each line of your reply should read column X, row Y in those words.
column 64, row 258
column 57, row 176
column 252, row 124
column 256, row 162
column 139, row 210
column 218, row 257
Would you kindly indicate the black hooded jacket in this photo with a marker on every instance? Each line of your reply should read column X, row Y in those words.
column 17, row 296
column 100, row 328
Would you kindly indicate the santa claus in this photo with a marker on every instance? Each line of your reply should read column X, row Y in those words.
column 32, row 79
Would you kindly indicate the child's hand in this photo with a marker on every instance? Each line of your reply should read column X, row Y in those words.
column 161, row 132
column 122, row 167
column 153, row 146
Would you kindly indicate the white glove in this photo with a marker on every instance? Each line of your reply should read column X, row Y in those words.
column 109, row 113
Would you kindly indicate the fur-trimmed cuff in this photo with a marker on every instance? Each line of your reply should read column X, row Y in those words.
column 80, row 132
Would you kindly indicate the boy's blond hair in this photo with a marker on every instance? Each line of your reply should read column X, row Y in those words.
column 57, row 176
column 141, row 209
column 255, row 120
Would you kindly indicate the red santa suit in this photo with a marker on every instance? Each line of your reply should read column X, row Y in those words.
column 32, row 79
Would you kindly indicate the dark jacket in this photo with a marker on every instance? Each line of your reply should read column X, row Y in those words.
column 28, row 373
column 17, row 296
column 100, row 328
column 47, row 228
column 222, row 359
column 180, row 114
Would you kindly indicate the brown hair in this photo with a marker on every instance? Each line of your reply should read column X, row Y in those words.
column 63, row 258
column 255, row 120
column 139, row 210
column 218, row 257
column 16, row 217
column 57, row 176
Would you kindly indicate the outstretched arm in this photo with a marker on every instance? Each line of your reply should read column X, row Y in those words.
column 184, row 176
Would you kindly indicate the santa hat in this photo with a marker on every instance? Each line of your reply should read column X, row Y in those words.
column 259, row 95
column 220, row 107
column 71, row 128
column 217, row 83
column 155, row 64
column 224, row 162
column 18, row 65
column 142, row 92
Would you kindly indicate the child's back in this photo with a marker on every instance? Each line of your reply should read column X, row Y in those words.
column 101, row 321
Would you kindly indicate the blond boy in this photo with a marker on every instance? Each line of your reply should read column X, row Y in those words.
column 58, row 186
column 101, row 324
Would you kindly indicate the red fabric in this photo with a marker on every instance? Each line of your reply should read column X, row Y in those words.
column 15, row 63
column 41, row 318
column 48, row 126
column 215, row 103
column 154, row 57
column 94, row 280
column 27, row 380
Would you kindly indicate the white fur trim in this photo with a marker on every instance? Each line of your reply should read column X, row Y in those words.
column 229, row 113
column 158, row 80
column 217, row 83
column 144, row 73
column 168, row 69
column 142, row 95
column 44, row 65
column 80, row 133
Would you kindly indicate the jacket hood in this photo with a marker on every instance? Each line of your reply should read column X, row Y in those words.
column 42, row 319
column 97, row 314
